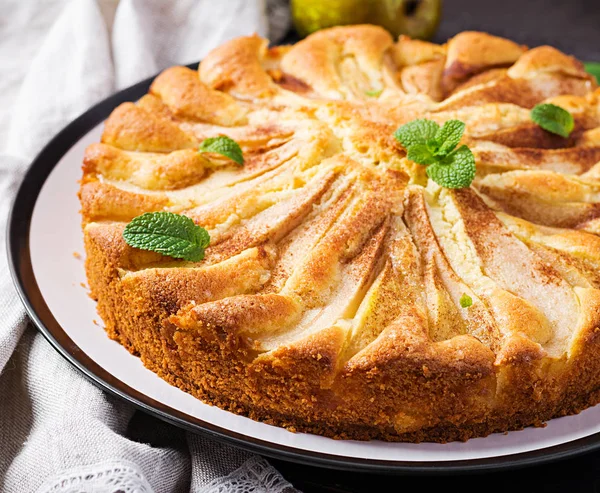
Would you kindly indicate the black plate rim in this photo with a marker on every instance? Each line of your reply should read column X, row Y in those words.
column 21, row 271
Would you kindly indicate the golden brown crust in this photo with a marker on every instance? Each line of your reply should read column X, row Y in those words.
column 181, row 90
column 472, row 52
column 134, row 129
column 329, row 300
column 152, row 171
column 236, row 68
column 339, row 63
column 546, row 59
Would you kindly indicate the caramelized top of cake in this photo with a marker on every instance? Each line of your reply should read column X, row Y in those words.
column 328, row 236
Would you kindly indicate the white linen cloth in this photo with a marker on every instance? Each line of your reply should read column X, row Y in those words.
column 58, row 432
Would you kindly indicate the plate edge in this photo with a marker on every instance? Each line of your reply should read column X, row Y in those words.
column 21, row 271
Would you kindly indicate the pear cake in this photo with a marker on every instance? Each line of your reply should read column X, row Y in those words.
column 330, row 298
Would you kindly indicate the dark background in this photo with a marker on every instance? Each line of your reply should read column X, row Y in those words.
column 573, row 27
column 579, row 475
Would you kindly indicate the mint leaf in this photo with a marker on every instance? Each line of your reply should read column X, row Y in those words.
column 167, row 233
column 225, row 146
column 421, row 153
column 456, row 170
column 428, row 144
column 449, row 136
column 416, row 132
column 466, row 301
column 374, row 93
column 593, row 68
column 553, row 118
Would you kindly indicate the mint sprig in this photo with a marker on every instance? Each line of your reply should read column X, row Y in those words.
column 373, row 93
column 449, row 136
column 169, row 234
column 433, row 146
column 225, row 146
column 460, row 171
column 465, row 300
column 416, row 132
column 553, row 119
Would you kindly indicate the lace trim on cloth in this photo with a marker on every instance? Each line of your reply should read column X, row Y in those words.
column 255, row 475
column 103, row 477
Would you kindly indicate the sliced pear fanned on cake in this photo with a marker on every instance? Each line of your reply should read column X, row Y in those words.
column 357, row 236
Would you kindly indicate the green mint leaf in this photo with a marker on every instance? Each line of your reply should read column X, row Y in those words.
column 416, row 132
column 593, row 68
column 167, row 233
column 449, row 136
column 553, row 118
column 225, row 146
column 421, row 153
column 433, row 145
column 466, row 301
column 428, row 144
column 374, row 93
column 456, row 170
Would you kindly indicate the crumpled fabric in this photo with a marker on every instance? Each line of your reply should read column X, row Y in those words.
column 58, row 432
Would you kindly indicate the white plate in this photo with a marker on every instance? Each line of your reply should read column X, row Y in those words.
column 67, row 316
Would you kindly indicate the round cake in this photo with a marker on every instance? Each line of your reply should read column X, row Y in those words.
column 345, row 292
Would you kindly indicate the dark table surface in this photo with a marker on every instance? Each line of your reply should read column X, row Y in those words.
column 578, row 475
column 573, row 27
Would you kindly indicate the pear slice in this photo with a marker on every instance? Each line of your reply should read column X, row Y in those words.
column 545, row 197
column 507, row 261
